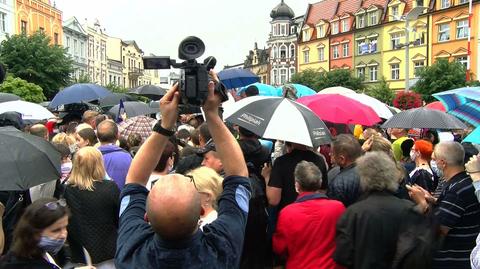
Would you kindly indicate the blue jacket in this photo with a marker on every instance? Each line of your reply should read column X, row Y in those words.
column 218, row 246
column 117, row 161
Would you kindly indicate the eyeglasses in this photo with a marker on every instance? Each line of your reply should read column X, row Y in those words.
column 192, row 180
column 56, row 204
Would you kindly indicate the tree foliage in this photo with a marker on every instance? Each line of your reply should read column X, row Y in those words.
column 321, row 80
column 441, row 76
column 22, row 88
column 35, row 60
column 116, row 88
column 85, row 78
column 381, row 91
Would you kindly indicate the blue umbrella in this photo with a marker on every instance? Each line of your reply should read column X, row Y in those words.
column 263, row 89
column 463, row 103
column 473, row 137
column 78, row 93
column 235, row 78
column 302, row 90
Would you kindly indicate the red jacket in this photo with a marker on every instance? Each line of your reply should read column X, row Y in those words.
column 305, row 232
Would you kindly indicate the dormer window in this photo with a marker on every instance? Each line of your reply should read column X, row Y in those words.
column 306, row 35
column 444, row 3
column 320, row 31
column 335, row 28
column 361, row 21
column 373, row 18
column 395, row 12
column 420, row 3
column 345, row 27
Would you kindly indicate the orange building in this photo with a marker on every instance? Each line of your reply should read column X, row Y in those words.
column 38, row 15
column 449, row 28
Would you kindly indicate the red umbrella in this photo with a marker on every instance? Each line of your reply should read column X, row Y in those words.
column 436, row 105
column 338, row 108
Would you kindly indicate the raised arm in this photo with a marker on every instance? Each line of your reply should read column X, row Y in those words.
column 225, row 144
column 150, row 152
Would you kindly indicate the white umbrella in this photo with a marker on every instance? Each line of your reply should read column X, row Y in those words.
column 336, row 90
column 29, row 111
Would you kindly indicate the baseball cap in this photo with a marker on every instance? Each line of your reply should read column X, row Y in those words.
column 209, row 146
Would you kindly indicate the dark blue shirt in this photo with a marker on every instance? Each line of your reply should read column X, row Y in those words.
column 218, row 246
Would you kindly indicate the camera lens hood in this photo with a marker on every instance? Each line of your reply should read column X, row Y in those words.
column 191, row 48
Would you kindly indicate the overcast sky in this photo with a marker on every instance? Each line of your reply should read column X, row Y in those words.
column 229, row 28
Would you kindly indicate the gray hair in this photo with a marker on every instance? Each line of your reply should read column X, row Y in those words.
column 452, row 152
column 378, row 172
column 308, row 176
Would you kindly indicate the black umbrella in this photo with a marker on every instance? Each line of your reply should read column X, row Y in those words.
column 6, row 97
column 114, row 99
column 133, row 109
column 26, row 160
column 424, row 118
column 150, row 91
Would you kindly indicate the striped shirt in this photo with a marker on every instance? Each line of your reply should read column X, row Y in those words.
column 459, row 210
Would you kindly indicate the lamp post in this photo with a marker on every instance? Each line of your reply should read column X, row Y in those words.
column 411, row 16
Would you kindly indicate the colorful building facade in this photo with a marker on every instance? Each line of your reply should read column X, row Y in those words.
column 38, row 15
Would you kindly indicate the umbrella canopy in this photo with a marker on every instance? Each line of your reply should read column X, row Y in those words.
column 263, row 89
column 29, row 111
column 235, row 77
column 114, row 99
column 150, row 91
column 463, row 103
column 337, row 108
column 78, row 93
column 423, row 118
column 26, row 160
column 336, row 90
column 141, row 124
column 279, row 118
column 6, row 97
column 473, row 137
column 436, row 105
column 302, row 90
column 133, row 109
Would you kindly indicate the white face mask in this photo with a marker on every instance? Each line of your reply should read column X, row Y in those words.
column 413, row 155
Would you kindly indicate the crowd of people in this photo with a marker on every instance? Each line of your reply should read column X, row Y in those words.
column 202, row 193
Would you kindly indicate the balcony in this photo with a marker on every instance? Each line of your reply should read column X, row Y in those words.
column 134, row 73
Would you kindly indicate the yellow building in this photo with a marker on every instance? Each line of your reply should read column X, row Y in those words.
column 314, row 43
column 132, row 60
column 38, row 15
column 394, row 53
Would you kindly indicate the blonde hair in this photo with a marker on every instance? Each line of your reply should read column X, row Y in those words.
column 87, row 168
column 208, row 181
column 63, row 138
column 380, row 143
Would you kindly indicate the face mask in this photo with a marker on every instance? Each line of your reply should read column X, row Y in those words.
column 435, row 169
column 413, row 155
column 51, row 245
column 73, row 148
column 66, row 167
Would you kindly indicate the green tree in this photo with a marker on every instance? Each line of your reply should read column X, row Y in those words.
column 441, row 76
column 116, row 88
column 340, row 77
column 308, row 77
column 35, row 60
column 27, row 91
column 85, row 78
column 381, row 91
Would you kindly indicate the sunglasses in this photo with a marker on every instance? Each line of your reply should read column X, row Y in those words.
column 56, row 204
column 192, row 180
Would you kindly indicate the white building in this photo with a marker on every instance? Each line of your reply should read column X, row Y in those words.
column 75, row 40
column 7, row 18
column 97, row 53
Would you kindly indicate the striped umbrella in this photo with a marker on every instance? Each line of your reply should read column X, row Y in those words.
column 279, row 118
column 463, row 103
column 424, row 118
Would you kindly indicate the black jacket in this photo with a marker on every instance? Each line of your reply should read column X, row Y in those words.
column 345, row 186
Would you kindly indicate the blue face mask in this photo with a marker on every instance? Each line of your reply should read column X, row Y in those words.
column 435, row 169
column 51, row 245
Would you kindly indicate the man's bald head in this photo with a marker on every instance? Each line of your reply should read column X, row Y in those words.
column 173, row 207
column 39, row 130
column 107, row 132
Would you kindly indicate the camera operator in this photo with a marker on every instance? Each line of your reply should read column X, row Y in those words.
column 172, row 239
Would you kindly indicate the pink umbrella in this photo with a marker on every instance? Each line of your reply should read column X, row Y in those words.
column 436, row 105
column 338, row 108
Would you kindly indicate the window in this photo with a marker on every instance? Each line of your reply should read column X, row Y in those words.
column 463, row 60
column 373, row 73
column 335, row 28
column 55, row 38
column 41, row 29
column 23, row 27
column 283, row 52
column 292, row 51
column 305, row 35
column 275, row 76
column 3, row 19
column 68, row 43
column 361, row 21
column 292, row 72
column 417, row 66
column 395, row 12
column 372, row 46
column 283, row 30
column 82, row 48
column 345, row 25
column 321, row 54
column 335, row 53
column 462, row 2
column 283, row 76
column 444, row 3
column 75, row 47
column 361, row 72
column 373, row 18
column 444, row 32
column 345, row 49
column 306, row 56
column 395, row 40
column 320, row 31
column 462, row 29
column 395, row 71
column 275, row 52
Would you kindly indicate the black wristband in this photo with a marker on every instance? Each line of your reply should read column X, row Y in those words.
column 159, row 129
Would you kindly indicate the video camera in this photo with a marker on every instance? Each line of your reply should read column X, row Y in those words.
column 194, row 76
